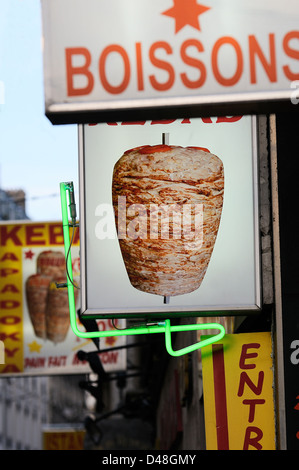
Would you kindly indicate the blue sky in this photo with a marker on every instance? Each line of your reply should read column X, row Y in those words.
column 35, row 155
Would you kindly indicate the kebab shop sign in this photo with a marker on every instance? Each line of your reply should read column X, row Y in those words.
column 117, row 55
column 35, row 333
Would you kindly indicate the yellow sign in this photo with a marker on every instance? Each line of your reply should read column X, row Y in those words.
column 63, row 440
column 35, row 333
column 238, row 393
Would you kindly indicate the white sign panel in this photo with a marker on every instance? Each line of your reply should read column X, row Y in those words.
column 105, row 59
column 117, row 281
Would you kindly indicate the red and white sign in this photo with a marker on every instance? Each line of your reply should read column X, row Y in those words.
column 103, row 59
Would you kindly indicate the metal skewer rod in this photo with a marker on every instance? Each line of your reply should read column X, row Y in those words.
column 165, row 141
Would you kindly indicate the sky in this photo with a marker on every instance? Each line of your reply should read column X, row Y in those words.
column 35, row 155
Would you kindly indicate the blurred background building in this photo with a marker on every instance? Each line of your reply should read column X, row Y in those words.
column 12, row 205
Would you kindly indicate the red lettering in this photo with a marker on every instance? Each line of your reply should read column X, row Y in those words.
column 257, row 389
column 161, row 64
column 104, row 358
column 8, row 271
column 56, row 234
column 290, row 52
column 112, row 324
column 253, row 440
column 9, row 288
column 53, row 443
column 184, row 121
column 72, row 71
column 114, row 48
column 113, row 356
column 76, row 264
column 101, row 325
column 253, row 434
column 228, row 119
column 56, row 361
column 245, row 355
column 255, row 51
column 34, row 362
column 10, row 320
column 9, row 235
column 12, row 336
column 140, row 80
column 252, row 404
column 76, row 360
column 10, row 368
column 109, row 357
column 239, row 69
column 163, row 121
column 193, row 63
column 33, row 232
column 225, row 52
column 11, row 352
column 9, row 256
column 9, row 304
column 133, row 123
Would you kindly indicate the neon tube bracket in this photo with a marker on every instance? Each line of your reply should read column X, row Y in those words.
column 161, row 327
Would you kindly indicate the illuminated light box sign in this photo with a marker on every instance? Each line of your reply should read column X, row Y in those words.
column 112, row 60
column 169, row 217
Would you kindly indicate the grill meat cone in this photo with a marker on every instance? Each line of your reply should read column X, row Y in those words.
column 173, row 262
column 51, row 263
column 36, row 296
column 48, row 306
column 57, row 311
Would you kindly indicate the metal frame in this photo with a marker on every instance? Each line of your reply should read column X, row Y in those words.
column 169, row 311
column 251, row 103
column 278, row 334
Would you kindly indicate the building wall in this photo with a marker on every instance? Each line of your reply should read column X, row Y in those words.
column 12, row 205
column 23, row 412
column 29, row 404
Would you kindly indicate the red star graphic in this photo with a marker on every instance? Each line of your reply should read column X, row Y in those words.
column 186, row 12
column 29, row 254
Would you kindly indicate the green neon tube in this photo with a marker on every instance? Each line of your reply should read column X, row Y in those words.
column 161, row 327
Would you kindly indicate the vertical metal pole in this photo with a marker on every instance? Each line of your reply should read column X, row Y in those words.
column 278, row 335
column 165, row 141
